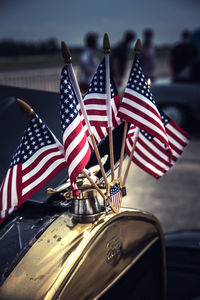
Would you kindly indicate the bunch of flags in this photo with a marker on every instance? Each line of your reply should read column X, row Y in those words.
column 40, row 156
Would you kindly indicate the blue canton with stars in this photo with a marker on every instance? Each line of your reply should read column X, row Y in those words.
column 165, row 120
column 68, row 101
column 138, row 82
column 98, row 83
column 36, row 136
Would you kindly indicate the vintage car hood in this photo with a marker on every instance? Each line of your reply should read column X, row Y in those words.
column 69, row 256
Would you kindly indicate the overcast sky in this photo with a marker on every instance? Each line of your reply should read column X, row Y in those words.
column 70, row 20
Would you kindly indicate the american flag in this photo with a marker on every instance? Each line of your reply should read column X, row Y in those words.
column 150, row 154
column 139, row 108
column 76, row 146
column 95, row 100
column 115, row 196
column 38, row 158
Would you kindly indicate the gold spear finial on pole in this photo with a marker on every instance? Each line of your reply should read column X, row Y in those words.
column 137, row 48
column 136, row 51
column 25, row 107
column 66, row 53
column 106, row 44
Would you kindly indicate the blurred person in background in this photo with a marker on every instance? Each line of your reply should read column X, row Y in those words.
column 88, row 61
column 183, row 55
column 195, row 38
column 147, row 55
column 119, row 56
column 195, row 69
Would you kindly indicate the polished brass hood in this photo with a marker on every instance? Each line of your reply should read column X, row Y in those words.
column 81, row 261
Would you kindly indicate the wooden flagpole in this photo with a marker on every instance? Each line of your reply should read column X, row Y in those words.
column 94, row 185
column 68, row 60
column 136, row 134
column 106, row 46
column 136, row 51
column 122, row 149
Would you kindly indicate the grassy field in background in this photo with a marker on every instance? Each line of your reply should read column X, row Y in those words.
column 30, row 62
column 56, row 60
column 34, row 61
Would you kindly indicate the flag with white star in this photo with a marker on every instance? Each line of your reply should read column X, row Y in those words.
column 150, row 154
column 39, row 157
column 95, row 99
column 76, row 146
column 139, row 108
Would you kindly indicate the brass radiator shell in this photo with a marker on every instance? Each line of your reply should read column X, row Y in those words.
column 78, row 261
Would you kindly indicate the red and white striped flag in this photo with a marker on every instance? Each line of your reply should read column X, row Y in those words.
column 38, row 159
column 150, row 154
column 76, row 146
column 96, row 106
column 139, row 108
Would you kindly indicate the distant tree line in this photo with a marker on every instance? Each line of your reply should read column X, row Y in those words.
column 16, row 48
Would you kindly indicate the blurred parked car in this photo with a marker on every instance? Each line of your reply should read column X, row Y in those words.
column 179, row 100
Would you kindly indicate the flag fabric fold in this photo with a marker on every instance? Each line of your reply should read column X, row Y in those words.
column 139, row 108
column 150, row 154
column 96, row 106
column 76, row 147
column 38, row 159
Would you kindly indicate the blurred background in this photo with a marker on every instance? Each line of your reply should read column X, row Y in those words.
column 31, row 33
column 30, row 57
